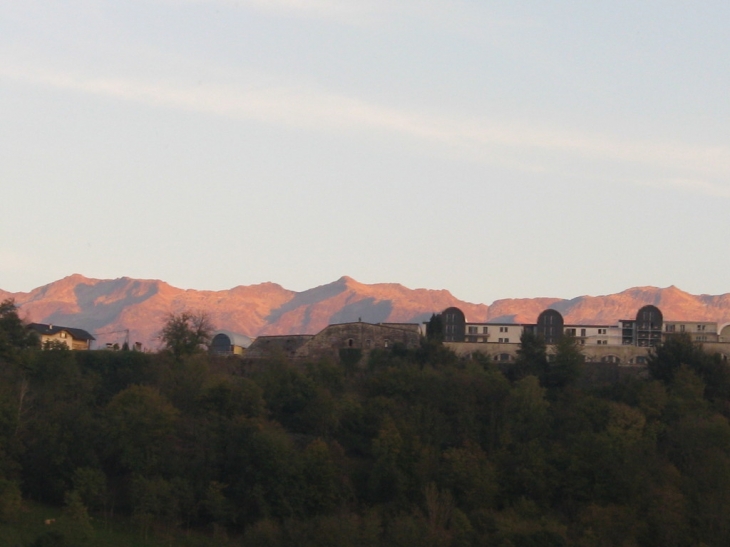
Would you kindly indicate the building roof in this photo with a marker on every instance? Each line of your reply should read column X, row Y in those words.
column 50, row 330
column 236, row 339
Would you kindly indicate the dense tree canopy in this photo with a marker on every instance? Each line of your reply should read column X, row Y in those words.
column 405, row 448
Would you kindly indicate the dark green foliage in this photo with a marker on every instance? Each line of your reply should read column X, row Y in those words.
column 412, row 448
column 566, row 366
column 14, row 336
column 50, row 539
column 433, row 352
column 350, row 357
column 679, row 350
column 229, row 397
column 10, row 501
column 435, row 329
column 139, row 423
column 531, row 357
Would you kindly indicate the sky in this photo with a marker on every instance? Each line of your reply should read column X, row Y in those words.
column 495, row 149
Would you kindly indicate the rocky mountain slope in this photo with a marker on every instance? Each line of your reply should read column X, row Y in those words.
column 108, row 307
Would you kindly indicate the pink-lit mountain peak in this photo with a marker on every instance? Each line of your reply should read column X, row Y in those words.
column 141, row 305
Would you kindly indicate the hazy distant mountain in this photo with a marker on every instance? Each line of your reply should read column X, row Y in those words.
column 108, row 307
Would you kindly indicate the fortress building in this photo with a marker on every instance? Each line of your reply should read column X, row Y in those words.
column 360, row 336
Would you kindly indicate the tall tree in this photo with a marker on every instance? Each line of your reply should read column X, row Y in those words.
column 531, row 357
column 186, row 332
column 567, row 364
column 14, row 335
column 435, row 328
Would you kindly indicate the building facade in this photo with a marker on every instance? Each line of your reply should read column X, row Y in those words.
column 628, row 342
column 73, row 338
column 329, row 342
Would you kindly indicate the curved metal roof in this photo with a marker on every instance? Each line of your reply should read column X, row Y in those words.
column 236, row 339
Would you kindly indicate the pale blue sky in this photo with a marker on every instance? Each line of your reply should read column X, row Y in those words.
column 495, row 149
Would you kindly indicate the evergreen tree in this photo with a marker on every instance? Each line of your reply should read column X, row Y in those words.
column 435, row 328
column 531, row 357
column 567, row 364
column 14, row 335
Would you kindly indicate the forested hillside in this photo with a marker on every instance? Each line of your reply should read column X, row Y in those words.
column 408, row 448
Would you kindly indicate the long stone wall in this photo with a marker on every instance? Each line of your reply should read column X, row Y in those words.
column 269, row 346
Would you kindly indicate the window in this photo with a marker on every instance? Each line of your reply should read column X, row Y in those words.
column 670, row 328
column 570, row 332
column 473, row 330
column 602, row 331
column 681, row 328
column 368, row 343
column 502, row 329
column 583, row 332
column 64, row 334
column 386, row 343
column 700, row 327
column 484, row 330
column 350, row 342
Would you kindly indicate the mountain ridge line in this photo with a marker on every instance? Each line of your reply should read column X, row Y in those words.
column 141, row 305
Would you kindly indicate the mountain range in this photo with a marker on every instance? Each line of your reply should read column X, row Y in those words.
column 108, row 308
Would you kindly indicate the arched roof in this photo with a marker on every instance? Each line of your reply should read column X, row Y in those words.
column 453, row 310
column 650, row 314
column 240, row 340
column 550, row 316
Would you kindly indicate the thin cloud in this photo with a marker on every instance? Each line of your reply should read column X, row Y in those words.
column 338, row 10
column 320, row 110
column 458, row 15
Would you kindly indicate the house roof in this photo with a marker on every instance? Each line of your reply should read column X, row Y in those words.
column 50, row 330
